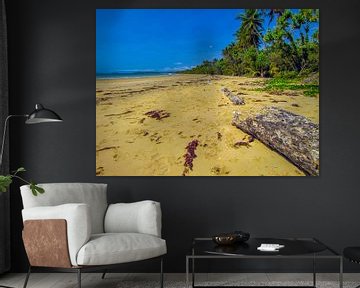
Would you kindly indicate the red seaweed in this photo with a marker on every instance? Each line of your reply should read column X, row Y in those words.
column 189, row 156
column 158, row 114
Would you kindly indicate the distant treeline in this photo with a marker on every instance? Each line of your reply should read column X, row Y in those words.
column 289, row 47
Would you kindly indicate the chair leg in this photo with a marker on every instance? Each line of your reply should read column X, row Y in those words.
column 27, row 277
column 161, row 273
column 103, row 275
column 79, row 277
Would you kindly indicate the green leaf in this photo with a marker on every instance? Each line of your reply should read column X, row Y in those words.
column 39, row 189
column 20, row 169
column 5, row 182
column 36, row 189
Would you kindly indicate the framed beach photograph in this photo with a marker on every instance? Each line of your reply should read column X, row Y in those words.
column 207, row 92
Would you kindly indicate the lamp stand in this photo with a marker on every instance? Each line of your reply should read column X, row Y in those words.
column 4, row 135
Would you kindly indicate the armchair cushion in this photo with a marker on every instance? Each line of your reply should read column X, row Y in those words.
column 138, row 217
column 92, row 194
column 113, row 248
column 78, row 221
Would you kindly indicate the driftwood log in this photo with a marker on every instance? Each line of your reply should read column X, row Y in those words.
column 233, row 98
column 293, row 136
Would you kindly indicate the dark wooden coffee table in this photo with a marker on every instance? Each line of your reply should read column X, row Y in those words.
column 295, row 248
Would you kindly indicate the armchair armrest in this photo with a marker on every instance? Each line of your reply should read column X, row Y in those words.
column 138, row 217
column 78, row 225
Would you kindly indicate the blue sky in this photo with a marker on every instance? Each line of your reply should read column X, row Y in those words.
column 161, row 39
column 130, row 40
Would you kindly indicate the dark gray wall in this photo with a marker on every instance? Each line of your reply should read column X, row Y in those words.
column 52, row 61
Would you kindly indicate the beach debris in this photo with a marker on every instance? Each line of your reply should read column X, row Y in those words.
column 104, row 100
column 119, row 114
column 242, row 143
column 293, row 136
column 99, row 171
column 189, row 156
column 295, row 105
column 158, row 114
column 236, row 116
column 107, row 148
column 116, row 156
column 218, row 171
column 237, row 100
column 155, row 137
column 251, row 138
column 219, row 136
column 277, row 101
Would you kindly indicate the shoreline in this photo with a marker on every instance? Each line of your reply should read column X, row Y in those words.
column 130, row 143
column 118, row 76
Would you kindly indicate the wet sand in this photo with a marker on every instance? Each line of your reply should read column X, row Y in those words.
column 130, row 143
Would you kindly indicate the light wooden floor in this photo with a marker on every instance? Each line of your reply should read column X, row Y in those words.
column 113, row 280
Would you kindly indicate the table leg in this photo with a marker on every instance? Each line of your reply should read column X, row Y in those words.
column 187, row 272
column 193, row 267
column 193, row 272
column 314, row 271
column 341, row 273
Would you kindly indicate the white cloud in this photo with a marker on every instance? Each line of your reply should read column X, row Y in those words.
column 182, row 68
column 178, row 63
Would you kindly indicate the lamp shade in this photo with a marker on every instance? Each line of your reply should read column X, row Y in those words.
column 42, row 115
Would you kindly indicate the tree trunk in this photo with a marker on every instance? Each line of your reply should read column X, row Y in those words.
column 233, row 98
column 293, row 136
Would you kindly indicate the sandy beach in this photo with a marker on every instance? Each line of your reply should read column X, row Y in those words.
column 131, row 143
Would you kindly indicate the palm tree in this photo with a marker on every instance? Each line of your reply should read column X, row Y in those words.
column 250, row 32
column 272, row 13
column 230, row 54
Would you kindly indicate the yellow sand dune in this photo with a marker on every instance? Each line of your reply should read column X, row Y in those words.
column 128, row 142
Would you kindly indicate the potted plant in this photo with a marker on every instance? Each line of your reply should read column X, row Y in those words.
column 6, row 180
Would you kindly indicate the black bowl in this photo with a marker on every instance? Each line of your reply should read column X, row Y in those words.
column 231, row 238
column 224, row 239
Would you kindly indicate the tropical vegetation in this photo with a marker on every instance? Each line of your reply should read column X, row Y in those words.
column 270, row 43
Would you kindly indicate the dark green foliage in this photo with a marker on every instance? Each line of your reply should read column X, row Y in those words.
column 290, row 48
column 6, row 180
column 36, row 189
column 250, row 33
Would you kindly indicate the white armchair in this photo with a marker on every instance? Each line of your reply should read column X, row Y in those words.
column 72, row 228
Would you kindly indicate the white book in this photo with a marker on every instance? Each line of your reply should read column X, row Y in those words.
column 270, row 247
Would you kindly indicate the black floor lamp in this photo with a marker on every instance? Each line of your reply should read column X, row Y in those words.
column 39, row 115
